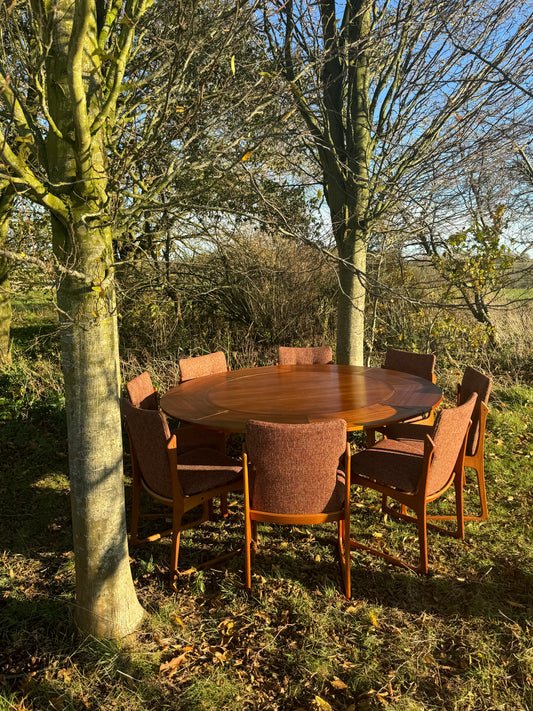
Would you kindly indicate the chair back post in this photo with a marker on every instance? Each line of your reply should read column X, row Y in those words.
column 172, row 452
column 480, row 444
column 460, row 463
column 421, row 491
column 347, row 479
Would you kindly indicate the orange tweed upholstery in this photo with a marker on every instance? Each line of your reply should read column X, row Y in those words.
column 420, row 364
column 142, row 392
column 294, row 469
column 304, row 356
column 200, row 366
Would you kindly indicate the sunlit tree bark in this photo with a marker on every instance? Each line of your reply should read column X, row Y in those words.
column 7, row 197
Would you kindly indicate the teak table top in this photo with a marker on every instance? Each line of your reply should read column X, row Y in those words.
column 301, row 393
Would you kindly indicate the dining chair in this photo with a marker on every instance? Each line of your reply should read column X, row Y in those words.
column 199, row 366
column 294, row 474
column 143, row 394
column 316, row 355
column 473, row 382
column 419, row 364
column 182, row 482
column 415, row 476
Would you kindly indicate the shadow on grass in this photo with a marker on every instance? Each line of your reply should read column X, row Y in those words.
column 505, row 590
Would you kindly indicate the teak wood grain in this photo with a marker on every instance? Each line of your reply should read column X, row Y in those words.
column 301, row 393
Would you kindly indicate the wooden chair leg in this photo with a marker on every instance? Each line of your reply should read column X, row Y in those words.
column 174, row 555
column 480, row 474
column 247, row 553
column 224, row 506
column 459, row 505
column 254, row 539
column 482, row 492
column 345, row 558
column 384, row 499
column 422, row 540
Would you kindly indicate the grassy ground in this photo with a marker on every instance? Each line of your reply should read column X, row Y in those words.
column 460, row 639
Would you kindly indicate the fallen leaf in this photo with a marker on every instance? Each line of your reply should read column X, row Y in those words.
column 226, row 627
column 373, row 619
column 171, row 667
column 178, row 621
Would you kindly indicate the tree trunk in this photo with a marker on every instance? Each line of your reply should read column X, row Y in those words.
column 7, row 197
column 106, row 604
column 351, row 300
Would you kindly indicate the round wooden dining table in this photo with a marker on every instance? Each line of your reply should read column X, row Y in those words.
column 301, row 393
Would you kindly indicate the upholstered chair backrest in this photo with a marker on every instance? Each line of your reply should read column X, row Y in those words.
column 199, row 366
column 448, row 436
column 149, row 433
column 294, row 468
column 474, row 382
column 142, row 393
column 421, row 364
column 304, row 356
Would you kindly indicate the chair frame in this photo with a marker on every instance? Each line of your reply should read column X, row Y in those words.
column 253, row 516
column 151, row 402
column 417, row 502
column 179, row 504
column 475, row 461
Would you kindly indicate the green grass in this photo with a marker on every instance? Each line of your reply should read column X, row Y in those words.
column 33, row 308
column 460, row 639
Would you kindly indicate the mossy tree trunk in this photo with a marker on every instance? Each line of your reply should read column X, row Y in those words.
column 7, row 197
column 106, row 603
